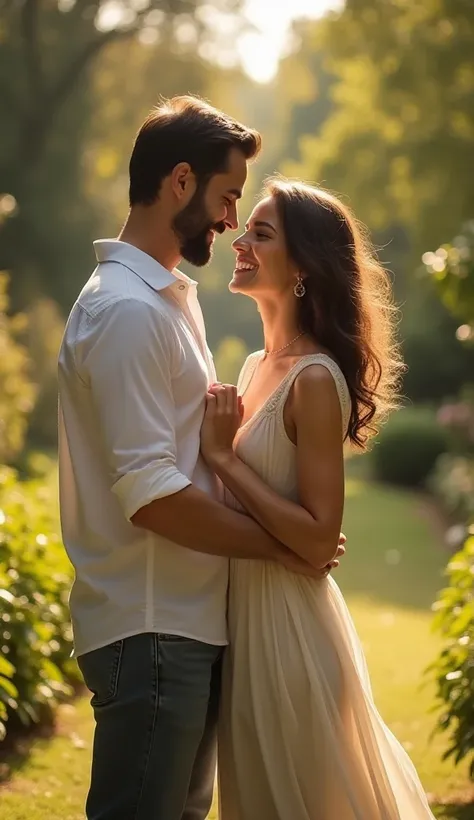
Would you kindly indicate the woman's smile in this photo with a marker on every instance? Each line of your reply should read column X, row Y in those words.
column 245, row 270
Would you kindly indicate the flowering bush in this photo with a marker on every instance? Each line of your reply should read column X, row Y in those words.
column 454, row 668
column 452, row 267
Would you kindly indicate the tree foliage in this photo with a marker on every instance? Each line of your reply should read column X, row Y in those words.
column 400, row 139
column 66, row 119
column 452, row 269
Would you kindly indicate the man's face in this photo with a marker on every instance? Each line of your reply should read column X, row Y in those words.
column 212, row 209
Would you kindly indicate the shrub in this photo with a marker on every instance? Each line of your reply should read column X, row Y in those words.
column 35, row 634
column 408, row 446
column 453, row 670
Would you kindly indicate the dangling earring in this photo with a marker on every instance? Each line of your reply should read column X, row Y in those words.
column 299, row 289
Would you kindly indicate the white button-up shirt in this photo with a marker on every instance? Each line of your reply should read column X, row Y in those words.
column 134, row 368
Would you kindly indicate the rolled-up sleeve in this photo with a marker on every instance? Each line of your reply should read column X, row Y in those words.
column 126, row 358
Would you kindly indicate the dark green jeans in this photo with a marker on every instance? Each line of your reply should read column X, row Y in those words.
column 155, row 701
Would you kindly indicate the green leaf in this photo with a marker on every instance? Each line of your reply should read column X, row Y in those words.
column 6, row 668
column 7, row 687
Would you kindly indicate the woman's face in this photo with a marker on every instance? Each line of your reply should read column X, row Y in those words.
column 263, row 265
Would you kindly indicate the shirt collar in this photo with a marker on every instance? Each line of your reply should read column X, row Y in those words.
column 147, row 268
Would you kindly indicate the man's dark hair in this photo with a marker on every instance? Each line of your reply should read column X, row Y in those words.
column 185, row 129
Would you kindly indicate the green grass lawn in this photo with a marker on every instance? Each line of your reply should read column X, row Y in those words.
column 390, row 576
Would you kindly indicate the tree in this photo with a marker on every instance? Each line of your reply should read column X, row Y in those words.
column 17, row 392
column 303, row 92
column 400, row 139
column 53, row 44
column 49, row 107
column 44, row 330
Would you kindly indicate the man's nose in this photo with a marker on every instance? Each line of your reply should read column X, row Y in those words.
column 232, row 220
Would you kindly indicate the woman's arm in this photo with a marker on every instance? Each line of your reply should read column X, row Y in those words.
column 310, row 529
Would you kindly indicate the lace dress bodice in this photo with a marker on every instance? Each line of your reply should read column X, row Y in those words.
column 262, row 442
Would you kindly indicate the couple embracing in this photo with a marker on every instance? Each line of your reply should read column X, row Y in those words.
column 203, row 520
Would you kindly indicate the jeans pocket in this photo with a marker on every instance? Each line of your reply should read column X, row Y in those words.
column 101, row 670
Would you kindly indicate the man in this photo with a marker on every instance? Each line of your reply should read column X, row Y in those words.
column 141, row 517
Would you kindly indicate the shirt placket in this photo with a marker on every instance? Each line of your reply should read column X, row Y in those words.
column 183, row 303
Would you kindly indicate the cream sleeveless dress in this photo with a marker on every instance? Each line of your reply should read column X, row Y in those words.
column 300, row 737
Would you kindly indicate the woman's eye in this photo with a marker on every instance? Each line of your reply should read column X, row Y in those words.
column 262, row 236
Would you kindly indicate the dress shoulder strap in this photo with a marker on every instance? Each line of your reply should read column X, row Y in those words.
column 282, row 393
column 247, row 371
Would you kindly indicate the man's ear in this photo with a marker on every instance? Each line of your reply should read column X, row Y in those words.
column 183, row 181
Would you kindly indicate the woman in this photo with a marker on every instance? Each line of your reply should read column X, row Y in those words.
column 301, row 738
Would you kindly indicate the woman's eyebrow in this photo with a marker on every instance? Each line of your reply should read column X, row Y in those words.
column 261, row 224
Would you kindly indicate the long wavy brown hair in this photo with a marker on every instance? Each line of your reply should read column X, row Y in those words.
column 348, row 306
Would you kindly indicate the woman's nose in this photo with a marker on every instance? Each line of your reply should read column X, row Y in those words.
column 241, row 244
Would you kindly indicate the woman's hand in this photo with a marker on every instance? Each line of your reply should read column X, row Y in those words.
column 222, row 419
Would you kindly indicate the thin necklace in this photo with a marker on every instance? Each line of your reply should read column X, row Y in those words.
column 272, row 352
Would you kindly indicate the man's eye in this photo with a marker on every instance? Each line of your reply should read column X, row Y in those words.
column 227, row 201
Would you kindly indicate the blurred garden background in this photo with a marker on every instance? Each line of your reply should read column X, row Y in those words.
column 373, row 99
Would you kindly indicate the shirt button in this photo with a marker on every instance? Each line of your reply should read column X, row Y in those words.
column 182, row 287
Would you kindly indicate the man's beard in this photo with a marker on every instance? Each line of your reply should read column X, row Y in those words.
column 192, row 226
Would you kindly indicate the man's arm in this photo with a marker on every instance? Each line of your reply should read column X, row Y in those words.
column 127, row 360
column 195, row 520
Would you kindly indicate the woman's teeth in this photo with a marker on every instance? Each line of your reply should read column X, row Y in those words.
column 245, row 266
